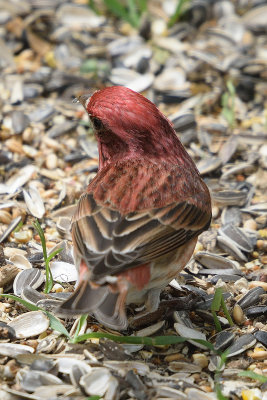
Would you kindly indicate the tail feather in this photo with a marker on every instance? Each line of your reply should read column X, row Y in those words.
column 108, row 307
column 85, row 299
column 111, row 312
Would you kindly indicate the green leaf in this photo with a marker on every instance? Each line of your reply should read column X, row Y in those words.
column 93, row 398
column 253, row 375
column 55, row 324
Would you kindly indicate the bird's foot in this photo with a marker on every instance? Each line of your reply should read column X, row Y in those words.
column 165, row 308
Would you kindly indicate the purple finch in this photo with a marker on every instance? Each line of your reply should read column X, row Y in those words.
column 137, row 223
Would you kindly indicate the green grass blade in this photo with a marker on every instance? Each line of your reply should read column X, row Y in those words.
column 92, row 5
column 18, row 227
column 217, row 323
column 231, row 88
column 149, row 341
column 52, row 255
column 48, row 274
column 49, row 279
column 82, row 320
column 253, row 375
column 223, row 359
column 55, row 324
column 223, row 356
column 177, row 13
column 142, row 6
column 228, row 104
column 40, row 231
column 226, row 312
column 217, row 299
column 219, row 394
column 118, row 9
column 30, row 306
column 135, row 18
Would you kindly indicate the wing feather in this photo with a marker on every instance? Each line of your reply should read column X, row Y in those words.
column 110, row 242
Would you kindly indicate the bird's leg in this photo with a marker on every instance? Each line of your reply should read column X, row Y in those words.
column 151, row 306
column 152, row 300
column 122, row 287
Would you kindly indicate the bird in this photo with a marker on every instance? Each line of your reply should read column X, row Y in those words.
column 136, row 225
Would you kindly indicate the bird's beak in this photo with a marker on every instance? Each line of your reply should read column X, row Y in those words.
column 83, row 99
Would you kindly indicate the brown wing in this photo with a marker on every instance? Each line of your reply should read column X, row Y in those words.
column 110, row 242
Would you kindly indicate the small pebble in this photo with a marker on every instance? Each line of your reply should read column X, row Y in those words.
column 158, row 27
column 250, row 224
column 263, row 233
column 11, row 251
column 251, row 394
column 14, row 146
column 238, row 314
column 258, row 354
column 146, row 355
column 57, row 288
column 254, row 284
column 261, row 244
column 4, row 306
column 16, row 212
column 23, row 236
column 261, row 221
column 174, row 357
column 28, row 135
column 51, row 161
column 51, row 143
column 5, row 217
column 201, row 360
column 30, row 151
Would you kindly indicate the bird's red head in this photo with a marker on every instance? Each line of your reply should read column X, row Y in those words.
column 127, row 125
